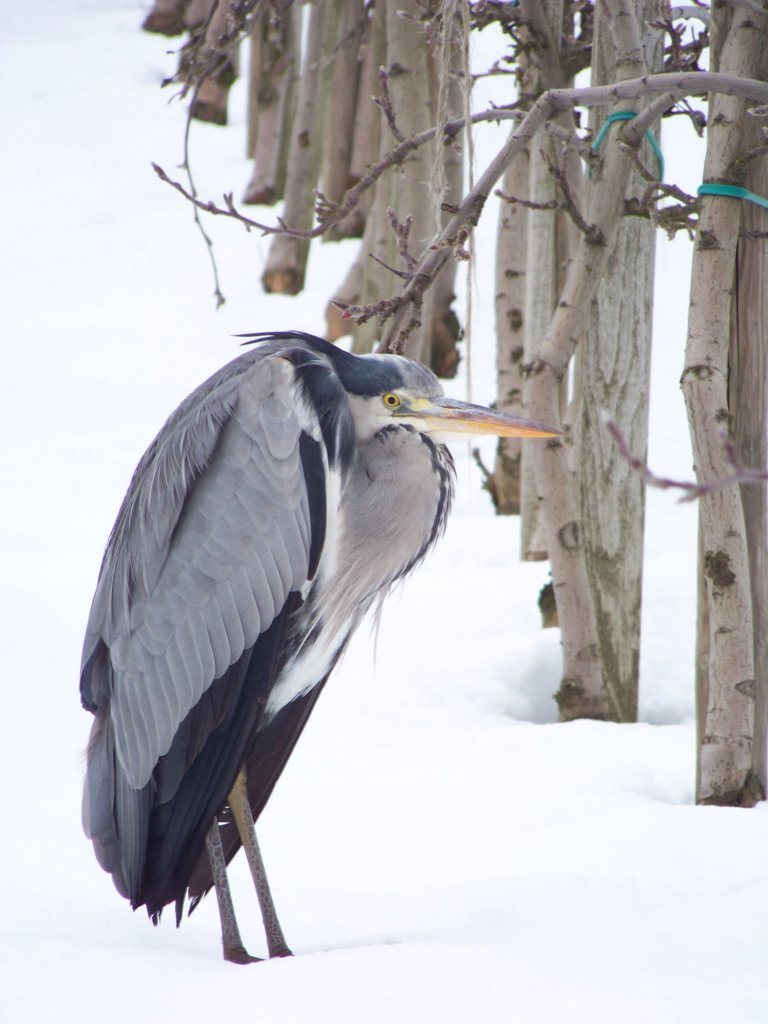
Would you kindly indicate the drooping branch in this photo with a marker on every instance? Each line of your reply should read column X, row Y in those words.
column 692, row 489
column 331, row 214
column 671, row 86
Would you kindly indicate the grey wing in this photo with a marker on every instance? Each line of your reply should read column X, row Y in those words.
column 213, row 536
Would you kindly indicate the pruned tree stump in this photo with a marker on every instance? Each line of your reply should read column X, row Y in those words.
column 166, row 18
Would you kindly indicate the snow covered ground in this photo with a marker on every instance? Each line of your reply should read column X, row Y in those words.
column 439, row 848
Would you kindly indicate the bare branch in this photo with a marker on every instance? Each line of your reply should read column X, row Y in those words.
column 207, row 240
column 634, row 156
column 528, row 204
column 739, row 166
column 671, row 87
column 634, row 131
column 550, row 103
column 692, row 490
column 402, row 231
column 569, row 205
column 689, row 12
column 571, row 140
column 384, row 103
column 330, row 214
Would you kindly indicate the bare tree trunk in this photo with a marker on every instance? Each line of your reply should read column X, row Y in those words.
column 539, row 68
column 545, row 235
column 748, row 402
column 365, row 132
column 583, row 691
column 511, row 248
column 407, row 70
column 616, row 380
column 287, row 259
column 210, row 99
column 541, row 297
column 378, row 245
column 166, row 17
column 270, row 109
column 726, row 758
column 448, row 75
column 348, row 292
column 255, row 54
column 340, row 112
column 701, row 666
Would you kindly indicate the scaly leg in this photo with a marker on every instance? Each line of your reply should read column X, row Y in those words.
column 241, row 811
column 234, row 950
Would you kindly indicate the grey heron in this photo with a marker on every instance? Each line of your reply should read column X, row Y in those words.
column 280, row 501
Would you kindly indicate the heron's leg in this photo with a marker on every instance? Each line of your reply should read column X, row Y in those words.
column 241, row 811
column 234, row 950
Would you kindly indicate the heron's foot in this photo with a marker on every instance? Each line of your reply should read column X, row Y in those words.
column 240, row 955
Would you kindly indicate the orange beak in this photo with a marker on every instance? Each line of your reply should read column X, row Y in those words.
column 450, row 416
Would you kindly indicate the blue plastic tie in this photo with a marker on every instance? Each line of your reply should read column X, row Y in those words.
column 627, row 115
column 734, row 191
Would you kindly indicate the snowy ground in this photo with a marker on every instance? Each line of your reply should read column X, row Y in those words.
column 440, row 850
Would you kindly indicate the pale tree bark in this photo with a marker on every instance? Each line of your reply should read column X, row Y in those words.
column 539, row 68
column 166, row 17
column 399, row 44
column 365, row 135
column 274, row 48
column 748, row 401
column 727, row 682
column 340, row 111
column 509, row 299
column 543, row 71
column 616, row 363
column 408, row 74
column 541, row 297
column 377, row 248
column 287, row 258
column 448, row 64
column 370, row 139
column 210, row 98
column 584, row 692
column 256, row 47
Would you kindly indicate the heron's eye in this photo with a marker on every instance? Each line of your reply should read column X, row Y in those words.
column 391, row 400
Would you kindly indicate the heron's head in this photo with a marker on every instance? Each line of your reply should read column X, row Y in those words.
column 389, row 390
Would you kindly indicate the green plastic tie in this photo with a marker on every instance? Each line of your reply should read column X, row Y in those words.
column 627, row 115
column 733, row 191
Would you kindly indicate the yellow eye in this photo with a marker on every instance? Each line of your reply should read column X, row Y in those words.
column 391, row 400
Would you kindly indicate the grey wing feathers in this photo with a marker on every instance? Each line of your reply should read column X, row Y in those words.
column 212, row 537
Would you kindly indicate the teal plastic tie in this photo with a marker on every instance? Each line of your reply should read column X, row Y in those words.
column 627, row 115
column 733, row 191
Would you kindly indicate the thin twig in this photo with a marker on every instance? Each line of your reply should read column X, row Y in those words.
column 571, row 140
column 634, row 156
column 528, row 204
column 568, row 203
column 692, row 489
column 208, row 241
column 384, row 103
column 330, row 214
column 402, row 230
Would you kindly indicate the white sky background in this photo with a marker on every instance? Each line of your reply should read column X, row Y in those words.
column 439, row 850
